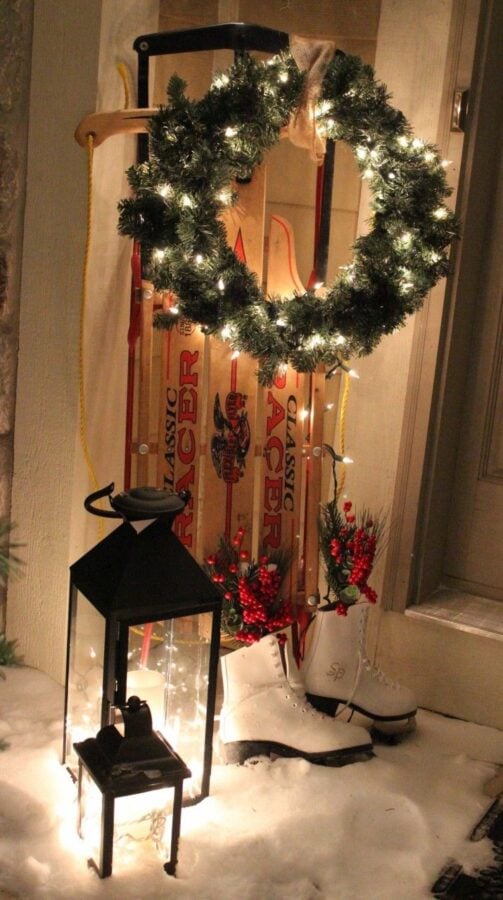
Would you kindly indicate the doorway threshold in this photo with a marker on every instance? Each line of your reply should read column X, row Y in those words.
column 465, row 612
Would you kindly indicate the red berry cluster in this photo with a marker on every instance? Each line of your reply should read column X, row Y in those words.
column 252, row 604
column 349, row 551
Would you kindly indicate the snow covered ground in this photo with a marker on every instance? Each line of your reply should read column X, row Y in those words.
column 269, row 831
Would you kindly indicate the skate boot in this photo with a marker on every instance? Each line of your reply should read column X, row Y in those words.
column 263, row 714
column 338, row 674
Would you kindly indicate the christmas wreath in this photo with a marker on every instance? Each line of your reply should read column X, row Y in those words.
column 199, row 148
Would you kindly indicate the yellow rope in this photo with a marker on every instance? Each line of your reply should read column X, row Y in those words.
column 83, row 302
column 124, row 74
column 342, row 431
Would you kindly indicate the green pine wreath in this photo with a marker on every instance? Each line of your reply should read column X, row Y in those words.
column 198, row 148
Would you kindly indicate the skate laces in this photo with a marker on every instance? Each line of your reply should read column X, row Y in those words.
column 294, row 690
column 378, row 673
column 366, row 663
column 302, row 703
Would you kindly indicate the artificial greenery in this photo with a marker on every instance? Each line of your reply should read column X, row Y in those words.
column 8, row 654
column 197, row 150
column 9, row 562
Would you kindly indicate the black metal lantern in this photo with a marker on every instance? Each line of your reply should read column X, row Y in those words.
column 113, row 767
column 144, row 620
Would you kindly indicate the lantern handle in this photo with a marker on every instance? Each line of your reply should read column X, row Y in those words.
column 138, row 503
column 96, row 495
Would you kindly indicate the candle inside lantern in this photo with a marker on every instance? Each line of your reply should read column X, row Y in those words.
column 148, row 684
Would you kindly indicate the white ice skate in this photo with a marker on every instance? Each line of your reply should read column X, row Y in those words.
column 337, row 674
column 263, row 713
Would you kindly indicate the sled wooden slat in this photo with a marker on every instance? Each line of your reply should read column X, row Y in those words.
column 280, row 476
column 180, row 411
column 245, row 222
column 283, row 278
column 227, row 457
column 313, row 450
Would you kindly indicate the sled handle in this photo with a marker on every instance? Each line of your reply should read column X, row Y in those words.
column 103, row 125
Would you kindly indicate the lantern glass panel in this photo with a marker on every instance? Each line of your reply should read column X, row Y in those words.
column 141, row 823
column 85, row 674
column 168, row 666
column 91, row 809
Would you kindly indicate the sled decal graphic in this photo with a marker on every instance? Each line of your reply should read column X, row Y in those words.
column 231, row 440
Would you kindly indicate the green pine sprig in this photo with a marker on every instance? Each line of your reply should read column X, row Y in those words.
column 8, row 654
column 10, row 562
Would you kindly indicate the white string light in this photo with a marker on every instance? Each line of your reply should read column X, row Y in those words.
column 221, row 81
column 315, row 340
column 224, row 196
column 343, row 459
column 323, row 108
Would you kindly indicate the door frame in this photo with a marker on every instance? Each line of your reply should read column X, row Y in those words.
column 441, row 344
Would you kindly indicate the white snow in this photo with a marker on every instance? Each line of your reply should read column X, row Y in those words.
column 269, row 831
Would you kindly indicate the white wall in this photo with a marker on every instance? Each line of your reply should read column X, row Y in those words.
column 76, row 46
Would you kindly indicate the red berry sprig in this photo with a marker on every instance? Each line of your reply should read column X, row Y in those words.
column 349, row 546
column 252, row 604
